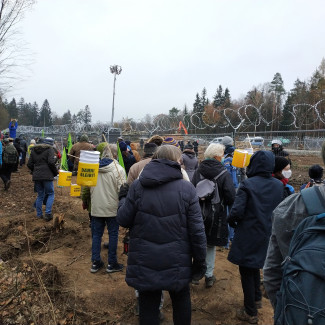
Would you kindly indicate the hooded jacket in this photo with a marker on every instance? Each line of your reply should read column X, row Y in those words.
column 42, row 163
column 209, row 169
column 104, row 196
column 255, row 201
column 166, row 228
column 190, row 162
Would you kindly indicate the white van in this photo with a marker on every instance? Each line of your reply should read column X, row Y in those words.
column 255, row 141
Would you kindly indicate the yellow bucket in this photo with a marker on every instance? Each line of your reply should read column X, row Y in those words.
column 64, row 178
column 240, row 158
column 75, row 190
column 87, row 174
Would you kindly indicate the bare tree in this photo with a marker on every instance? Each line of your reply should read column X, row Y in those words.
column 12, row 48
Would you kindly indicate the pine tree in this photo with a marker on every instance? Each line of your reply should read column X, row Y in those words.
column 218, row 98
column 45, row 116
column 204, row 100
column 35, row 114
column 84, row 117
column 277, row 88
column 227, row 99
column 12, row 109
column 173, row 112
column 66, row 117
column 197, row 106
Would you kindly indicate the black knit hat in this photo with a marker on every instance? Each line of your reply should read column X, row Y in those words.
column 188, row 146
column 280, row 164
column 149, row 148
column 315, row 172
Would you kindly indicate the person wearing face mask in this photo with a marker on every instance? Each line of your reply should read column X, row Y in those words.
column 283, row 172
column 217, row 235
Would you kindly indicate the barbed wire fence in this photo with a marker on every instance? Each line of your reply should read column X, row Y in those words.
column 297, row 131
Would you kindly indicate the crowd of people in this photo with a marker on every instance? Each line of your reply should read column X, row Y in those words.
column 178, row 211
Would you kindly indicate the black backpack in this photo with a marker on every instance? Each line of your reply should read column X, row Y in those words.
column 10, row 155
column 301, row 299
column 211, row 205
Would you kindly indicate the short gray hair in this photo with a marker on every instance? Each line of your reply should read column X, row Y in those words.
column 214, row 150
column 168, row 152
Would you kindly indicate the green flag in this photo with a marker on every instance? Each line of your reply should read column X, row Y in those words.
column 119, row 156
column 43, row 135
column 69, row 143
column 64, row 162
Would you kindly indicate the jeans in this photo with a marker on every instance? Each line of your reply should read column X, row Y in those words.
column 43, row 189
column 251, row 281
column 149, row 302
column 97, row 230
column 209, row 260
column 23, row 158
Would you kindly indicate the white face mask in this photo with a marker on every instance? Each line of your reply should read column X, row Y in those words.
column 287, row 173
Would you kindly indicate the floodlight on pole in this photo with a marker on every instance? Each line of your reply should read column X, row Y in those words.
column 116, row 70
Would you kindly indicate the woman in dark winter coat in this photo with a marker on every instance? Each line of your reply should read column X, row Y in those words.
column 166, row 233
column 190, row 161
column 42, row 165
column 250, row 215
column 217, row 229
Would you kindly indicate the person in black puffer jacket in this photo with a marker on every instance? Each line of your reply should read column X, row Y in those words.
column 217, row 235
column 250, row 215
column 42, row 165
column 166, row 233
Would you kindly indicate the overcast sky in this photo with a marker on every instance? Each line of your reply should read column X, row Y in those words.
column 168, row 49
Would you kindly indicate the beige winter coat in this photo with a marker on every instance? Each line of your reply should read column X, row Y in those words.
column 104, row 196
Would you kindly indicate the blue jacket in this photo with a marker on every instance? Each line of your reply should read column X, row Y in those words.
column 255, row 201
column 0, row 153
column 12, row 130
column 166, row 228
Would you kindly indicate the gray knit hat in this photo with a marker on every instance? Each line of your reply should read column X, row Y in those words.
column 227, row 141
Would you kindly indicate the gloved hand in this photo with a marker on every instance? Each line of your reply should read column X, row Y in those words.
column 124, row 189
column 84, row 205
column 198, row 270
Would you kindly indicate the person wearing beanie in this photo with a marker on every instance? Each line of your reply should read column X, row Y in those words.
column 315, row 173
column 283, row 172
column 286, row 217
column 228, row 142
column 74, row 153
column 128, row 158
column 157, row 139
column 135, row 170
column 170, row 141
column 190, row 161
column 31, row 145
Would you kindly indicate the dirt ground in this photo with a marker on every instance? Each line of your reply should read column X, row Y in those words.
column 45, row 274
